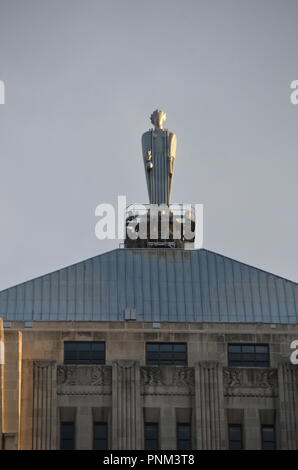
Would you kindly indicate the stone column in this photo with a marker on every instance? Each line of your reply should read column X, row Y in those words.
column 126, row 409
column 44, row 405
column 209, row 408
column 288, row 406
column 12, row 388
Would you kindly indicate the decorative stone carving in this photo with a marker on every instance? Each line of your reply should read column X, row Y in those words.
column 43, row 363
column 183, row 377
column 167, row 380
column 250, row 382
column 152, row 376
column 125, row 363
column 210, row 365
column 232, row 377
column 84, row 375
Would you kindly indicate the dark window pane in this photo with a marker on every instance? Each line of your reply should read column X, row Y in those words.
column 166, row 354
column 235, row 445
column 179, row 347
column 261, row 348
column 248, row 355
column 67, row 436
column 100, row 431
column 151, row 444
column 184, row 431
column 234, row 348
column 100, row 445
column 67, row 445
column 70, row 355
column 84, row 352
column 100, row 436
column 83, row 346
column 248, row 348
column 151, row 436
column 183, row 436
column 97, row 346
column 268, row 438
column 235, row 437
column 166, row 347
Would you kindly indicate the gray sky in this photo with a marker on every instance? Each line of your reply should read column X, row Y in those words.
column 82, row 78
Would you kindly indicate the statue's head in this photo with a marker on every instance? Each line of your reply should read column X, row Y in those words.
column 158, row 118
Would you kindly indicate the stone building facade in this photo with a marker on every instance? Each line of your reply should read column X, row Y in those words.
column 208, row 368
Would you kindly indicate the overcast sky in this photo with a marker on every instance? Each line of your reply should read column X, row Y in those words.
column 82, row 78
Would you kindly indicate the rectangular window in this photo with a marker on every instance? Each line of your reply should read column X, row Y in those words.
column 268, row 438
column 67, row 436
column 84, row 352
column 183, row 436
column 100, row 436
column 248, row 355
column 151, row 436
column 235, row 436
column 166, row 354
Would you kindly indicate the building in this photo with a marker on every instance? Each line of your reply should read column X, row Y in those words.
column 150, row 348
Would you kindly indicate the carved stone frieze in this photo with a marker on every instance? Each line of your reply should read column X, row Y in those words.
column 167, row 380
column 84, row 375
column 250, row 381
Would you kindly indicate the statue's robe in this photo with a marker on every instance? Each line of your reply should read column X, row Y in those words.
column 159, row 153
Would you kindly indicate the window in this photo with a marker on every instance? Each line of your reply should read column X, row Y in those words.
column 84, row 352
column 151, row 436
column 166, row 354
column 268, row 438
column 248, row 355
column 235, row 436
column 183, row 436
column 67, row 436
column 100, row 436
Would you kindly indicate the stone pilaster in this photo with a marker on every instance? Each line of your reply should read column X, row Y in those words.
column 288, row 406
column 44, row 405
column 209, row 410
column 12, row 388
column 126, row 409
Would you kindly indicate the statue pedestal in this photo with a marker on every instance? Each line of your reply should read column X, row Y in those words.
column 158, row 227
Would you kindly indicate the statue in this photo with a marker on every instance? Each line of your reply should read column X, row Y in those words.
column 159, row 153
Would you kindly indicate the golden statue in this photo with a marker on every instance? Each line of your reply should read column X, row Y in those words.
column 159, row 153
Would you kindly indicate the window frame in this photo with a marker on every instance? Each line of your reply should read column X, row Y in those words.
column 88, row 360
column 106, row 439
column 272, row 426
column 150, row 423
column 179, row 439
column 235, row 425
column 160, row 361
column 249, row 359
column 63, row 439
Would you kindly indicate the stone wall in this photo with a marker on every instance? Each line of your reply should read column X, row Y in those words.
column 37, row 390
